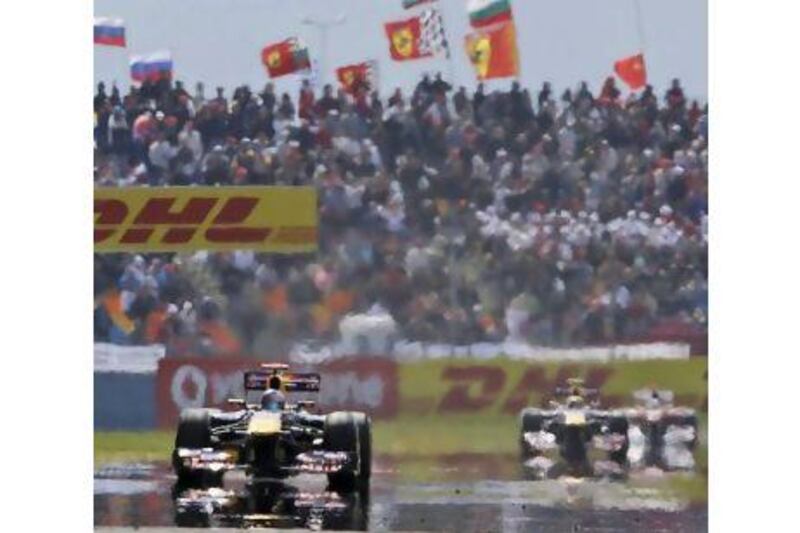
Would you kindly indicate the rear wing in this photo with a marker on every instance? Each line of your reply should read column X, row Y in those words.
column 289, row 381
column 566, row 391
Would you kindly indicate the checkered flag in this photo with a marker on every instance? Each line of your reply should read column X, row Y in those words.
column 432, row 38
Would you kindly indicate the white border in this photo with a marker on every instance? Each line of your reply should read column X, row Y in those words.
column 46, row 267
column 755, row 129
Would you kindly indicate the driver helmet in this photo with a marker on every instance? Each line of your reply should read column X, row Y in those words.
column 575, row 401
column 273, row 400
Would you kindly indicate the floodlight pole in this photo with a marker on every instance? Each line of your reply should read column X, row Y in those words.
column 637, row 10
column 323, row 26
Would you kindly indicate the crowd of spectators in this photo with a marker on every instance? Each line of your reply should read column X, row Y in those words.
column 561, row 220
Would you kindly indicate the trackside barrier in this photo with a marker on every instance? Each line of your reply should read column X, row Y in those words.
column 124, row 386
column 127, row 359
column 502, row 386
column 124, row 401
column 367, row 384
column 433, row 388
column 404, row 351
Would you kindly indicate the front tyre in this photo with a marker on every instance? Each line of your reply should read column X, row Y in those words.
column 619, row 425
column 350, row 432
column 531, row 421
column 194, row 431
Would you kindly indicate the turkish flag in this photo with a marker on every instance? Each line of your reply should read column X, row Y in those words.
column 279, row 58
column 404, row 39
column 632, row 71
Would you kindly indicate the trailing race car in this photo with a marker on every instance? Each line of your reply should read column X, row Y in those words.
column 273, row 439
column 662, row 423
column 573, row 427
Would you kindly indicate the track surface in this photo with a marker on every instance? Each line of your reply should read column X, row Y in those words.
column 483, row 493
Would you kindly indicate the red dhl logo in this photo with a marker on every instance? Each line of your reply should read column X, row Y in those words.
column 227, row 227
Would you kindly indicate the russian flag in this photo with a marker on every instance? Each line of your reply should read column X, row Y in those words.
column 108, row 31
column 152, row 67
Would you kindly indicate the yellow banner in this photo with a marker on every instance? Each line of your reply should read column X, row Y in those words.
column 501, row 386
column 177, row 219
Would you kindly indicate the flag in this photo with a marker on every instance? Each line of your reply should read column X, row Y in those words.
column 493, row 51
column 360, row 74
column 421, row 36
column 112, row 304
column 433, row 38
column 108, row 31
column 404, row 39
column 152, row 67
column 484, row 13
column 408, row 4
column 285, row 57
column 632, row 71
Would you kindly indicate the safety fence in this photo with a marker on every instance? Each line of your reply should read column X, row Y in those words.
column 387, row 388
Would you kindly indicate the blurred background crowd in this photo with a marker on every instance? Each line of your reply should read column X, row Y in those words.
column 554, row 219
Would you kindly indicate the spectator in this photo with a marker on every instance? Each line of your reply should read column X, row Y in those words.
column 582, row 220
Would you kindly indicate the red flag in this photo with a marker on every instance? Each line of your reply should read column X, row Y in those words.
column 285, row 57
column 354, row 77
column 632, row 71
column 404, row 39
column 493, row 51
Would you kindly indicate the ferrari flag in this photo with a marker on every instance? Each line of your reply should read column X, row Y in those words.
column 405, row 39
column 493, row 52
column 632, row 71
column 285, row 57
column 417, row 37
column 358, row 76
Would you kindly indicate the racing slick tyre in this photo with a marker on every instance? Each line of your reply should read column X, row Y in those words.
column 346, row 431
column 689, row 421
column 531, row 420
column 194, row 431
column 619, row 425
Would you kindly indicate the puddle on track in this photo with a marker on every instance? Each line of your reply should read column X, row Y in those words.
column 451, row 493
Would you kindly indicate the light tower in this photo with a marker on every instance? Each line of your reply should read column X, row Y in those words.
column 323, row 26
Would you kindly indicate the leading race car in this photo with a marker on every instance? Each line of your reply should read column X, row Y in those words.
column 274, row 439
column 573, row 427
column 662, row 423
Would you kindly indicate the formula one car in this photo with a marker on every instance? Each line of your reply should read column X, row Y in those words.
column 273, row 439
column 573, row 427
column 271, row 504
column 662, row 423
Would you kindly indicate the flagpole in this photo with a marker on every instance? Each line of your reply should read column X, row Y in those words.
column 637, row 9
column 451, row 68
column 323, row 26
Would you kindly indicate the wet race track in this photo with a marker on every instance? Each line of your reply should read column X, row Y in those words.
column 452, row 493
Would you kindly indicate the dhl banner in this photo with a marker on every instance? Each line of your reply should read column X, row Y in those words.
column 175, row 219
column 501, row 387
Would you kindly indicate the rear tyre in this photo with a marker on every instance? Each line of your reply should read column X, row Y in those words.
column 194, row 431
column 689, row 421
column 349, row 432
column 531, row 421
column 620, row 426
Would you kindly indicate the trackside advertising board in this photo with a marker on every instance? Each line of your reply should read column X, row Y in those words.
column 501, row 387
column 366, row 384
column 178, row 219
